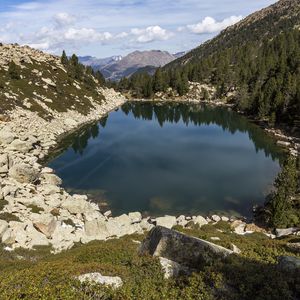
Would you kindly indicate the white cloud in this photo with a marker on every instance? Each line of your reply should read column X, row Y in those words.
column 64, row 19
column 210, row 25
column 150, row 34
column 87, row 35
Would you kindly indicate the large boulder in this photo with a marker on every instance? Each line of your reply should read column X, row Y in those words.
column 183, row 249
column 20, row 146
column 96, row 230
column 76, row 204
column 114, row 282
column 51, row 179
column 286, row 231
column 200, row 221
column 6, row 136
column 46, row 226
column 3, row 227
column 35, row 237
column 24, row 173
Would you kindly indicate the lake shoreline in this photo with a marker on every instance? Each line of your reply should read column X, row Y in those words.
column 39, row 212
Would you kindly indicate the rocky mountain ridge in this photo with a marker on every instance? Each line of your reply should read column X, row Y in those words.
column 115, row 68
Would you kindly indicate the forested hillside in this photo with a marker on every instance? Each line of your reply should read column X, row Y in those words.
column 256, row 62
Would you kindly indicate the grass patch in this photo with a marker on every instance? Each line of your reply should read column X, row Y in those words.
column 3, row 203
column 252, row 275
column 8, row 217
column 35, row 209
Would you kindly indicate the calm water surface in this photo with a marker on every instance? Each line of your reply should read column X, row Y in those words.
column 171, row 159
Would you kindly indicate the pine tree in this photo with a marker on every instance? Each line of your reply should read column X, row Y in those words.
column 159, row 84
column 64, row 58
column 286, row 186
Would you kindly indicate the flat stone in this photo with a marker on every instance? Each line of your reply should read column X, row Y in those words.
column 135, row 217
column 113, row 281
column 21, row 146
column 96, row 229
column 287, row 231
column 167, row 221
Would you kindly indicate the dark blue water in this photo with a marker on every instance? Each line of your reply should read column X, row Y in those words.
column 171, row 159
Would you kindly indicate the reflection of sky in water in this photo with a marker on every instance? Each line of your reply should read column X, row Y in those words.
column 139, row 165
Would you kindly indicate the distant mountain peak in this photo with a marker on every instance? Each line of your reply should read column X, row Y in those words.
column 116, row 67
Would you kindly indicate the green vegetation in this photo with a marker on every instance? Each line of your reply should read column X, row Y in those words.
column 9, row 217
column 256, row 62
column 14, row 71
column 35, row 209
column 2, row 204
column 72, row 90
column 282, row 207
column 252, row 275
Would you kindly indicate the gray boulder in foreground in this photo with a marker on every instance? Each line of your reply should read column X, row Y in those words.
column 289, row 263
column 183, row 249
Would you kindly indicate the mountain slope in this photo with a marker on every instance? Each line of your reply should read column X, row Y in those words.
column 98, row 63
column 37, row 81
column 256, row 62
column 129, row 64
column 265, row 23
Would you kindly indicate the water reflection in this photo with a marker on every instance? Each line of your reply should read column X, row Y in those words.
column 173, row 158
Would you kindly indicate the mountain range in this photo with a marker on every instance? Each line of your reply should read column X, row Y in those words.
column 116, row 67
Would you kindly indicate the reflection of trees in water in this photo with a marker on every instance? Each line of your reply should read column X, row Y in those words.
column 204, row 115
column 80, row 141
column 188, row 114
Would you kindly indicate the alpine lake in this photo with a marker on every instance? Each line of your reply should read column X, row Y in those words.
column 171, row 159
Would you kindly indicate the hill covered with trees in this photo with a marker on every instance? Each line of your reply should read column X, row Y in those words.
column 257, row 61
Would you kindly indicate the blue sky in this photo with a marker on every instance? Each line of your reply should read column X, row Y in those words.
column 116, row 27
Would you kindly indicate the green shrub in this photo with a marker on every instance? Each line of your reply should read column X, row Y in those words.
column 9, row 217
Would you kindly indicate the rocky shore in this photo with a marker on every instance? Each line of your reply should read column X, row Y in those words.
column 34, row 209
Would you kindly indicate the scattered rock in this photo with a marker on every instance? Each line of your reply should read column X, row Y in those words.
column 235, row 249
column 21, row 146
column 167, row 221
column 173, row 269
column 3, row 227
column 6, row 136
column 23, row 173
column 285, row 232
column 254, row 228
column 135, row 217
column 216, row 218
column 47, row 228
column 199, row 220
